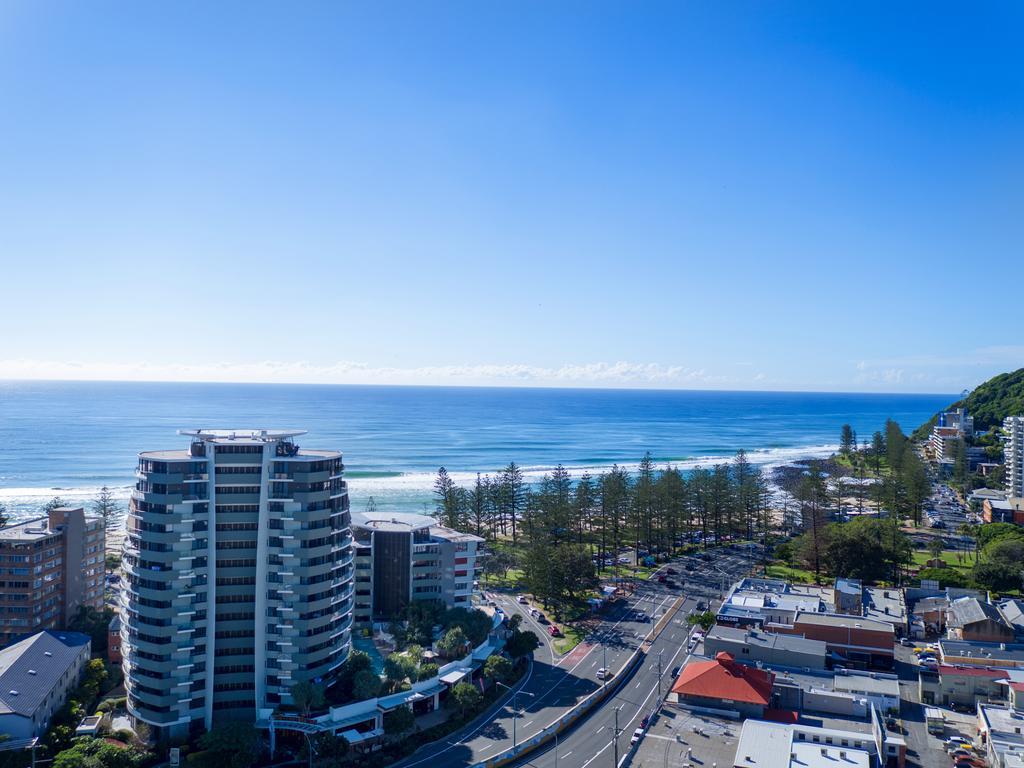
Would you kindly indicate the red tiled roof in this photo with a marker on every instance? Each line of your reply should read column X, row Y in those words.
column 1018, row 687
column 723, row 678
column 950, row 669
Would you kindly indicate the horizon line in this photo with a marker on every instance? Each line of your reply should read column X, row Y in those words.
column 549, row 387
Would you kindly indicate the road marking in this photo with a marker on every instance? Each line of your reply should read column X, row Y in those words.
column 599, row 729
column 567, row 753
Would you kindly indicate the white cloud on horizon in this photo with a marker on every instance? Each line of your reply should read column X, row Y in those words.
column 279, row 372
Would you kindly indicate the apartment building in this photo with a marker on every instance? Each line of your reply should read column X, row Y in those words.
column 49, row 568
column 403, row 557
column 238, row 577
column 1013, row 455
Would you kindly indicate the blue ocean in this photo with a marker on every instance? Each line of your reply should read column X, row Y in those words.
column 71, row 438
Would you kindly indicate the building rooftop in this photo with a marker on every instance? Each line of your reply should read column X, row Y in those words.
column 242, row 435
column 965, row 671
column 393, row 522
column 1003, row 724
column 30, row 530
column 851, row 587
column 842, row 620
column 772, row 745
column 763, row 639
column 884, row 686
column 970, row 610
column 725, row 678
column 986, row 654
column 450, row 534
column 30, row 668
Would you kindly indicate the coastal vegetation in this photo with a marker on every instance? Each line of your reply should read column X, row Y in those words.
column 989, row 403
column 559, row 536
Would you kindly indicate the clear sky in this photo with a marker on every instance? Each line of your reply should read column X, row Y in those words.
column 689, row 194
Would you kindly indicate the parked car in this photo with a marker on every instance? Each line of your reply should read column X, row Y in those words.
column 637, row 735
column 603, row 674
column 671, row 571
column 675, row 672
column 554, row 631
column 906, row 642
column 662, row 579
column 521, row 599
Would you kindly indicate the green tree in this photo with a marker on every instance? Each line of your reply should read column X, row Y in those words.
column 466, row 698
column 847, row 441
column 498, row 668
column 935, row 548
column 106, row 506
column 365, row 685
column 706, row 620
column 398, row 721
column 308, row 696
column 427, row 671
column 947, row 577
column 453, row 643
column 520, row 644
column 997, row 576
column 231, row 745
column 54, row 503
column 4, row 517
column 98, row 753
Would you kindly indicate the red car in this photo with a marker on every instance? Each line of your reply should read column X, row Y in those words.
column 554, row 631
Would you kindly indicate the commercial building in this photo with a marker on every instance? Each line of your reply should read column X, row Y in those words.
column 723, row 683
column 1001, row 732
column 753, row 602
column 1005, row 655
column 956, row 684
column 971, row 619
column 36, row 676
column 1004, row 510
column 238, row 578
column 1013, row 455
column 401, row 557
column 755, row 646
column 49, row 568
column 798, row 745
column 852, row 641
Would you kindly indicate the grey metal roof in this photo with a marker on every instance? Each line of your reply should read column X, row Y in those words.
column 32, row 667
column 969, row 610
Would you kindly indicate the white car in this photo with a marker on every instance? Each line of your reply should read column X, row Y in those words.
column 637, row 735
column 602, row 673
column 521, row 599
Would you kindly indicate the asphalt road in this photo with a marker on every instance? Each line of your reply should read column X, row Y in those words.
column 556, row 684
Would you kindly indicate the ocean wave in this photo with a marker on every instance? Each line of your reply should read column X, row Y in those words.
column 412, row 489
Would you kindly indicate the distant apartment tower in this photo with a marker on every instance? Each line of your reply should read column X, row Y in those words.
column 1013, row 450
column 49, row 568
column 402, row 557
column 950, row 428
column 238, row 578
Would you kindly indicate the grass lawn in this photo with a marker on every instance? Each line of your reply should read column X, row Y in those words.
column 511, row 581
column 948, row 556
column 574, row 634
column 779, row 570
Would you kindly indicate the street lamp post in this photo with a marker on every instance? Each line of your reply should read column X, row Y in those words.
column 515, row 707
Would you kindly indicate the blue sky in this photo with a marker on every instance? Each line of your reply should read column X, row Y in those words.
column 701, row 195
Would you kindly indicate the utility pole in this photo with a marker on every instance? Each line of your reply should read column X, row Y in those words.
column 604, row 663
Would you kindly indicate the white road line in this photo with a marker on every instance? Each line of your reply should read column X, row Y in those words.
column 567, row 753
column 599, row 729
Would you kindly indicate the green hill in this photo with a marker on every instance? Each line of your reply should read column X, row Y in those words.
column 989, row 404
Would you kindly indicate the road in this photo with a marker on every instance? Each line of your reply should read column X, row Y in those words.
column 556, row 684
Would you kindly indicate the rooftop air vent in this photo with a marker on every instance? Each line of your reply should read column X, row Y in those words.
column 13, row 693
column 31, row 671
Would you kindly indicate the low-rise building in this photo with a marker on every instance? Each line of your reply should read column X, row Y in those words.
column 723, row 683
column 753, row 602
column 973, row 620
column 852, row 641
column 1001, row 732
column 36, row 676
column 972, row 654
column 881, row 690
column 798, row 745
column 1003, row 510
column 114, row 655
column 886, row 604
column 756, row 646
column 959, row 685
